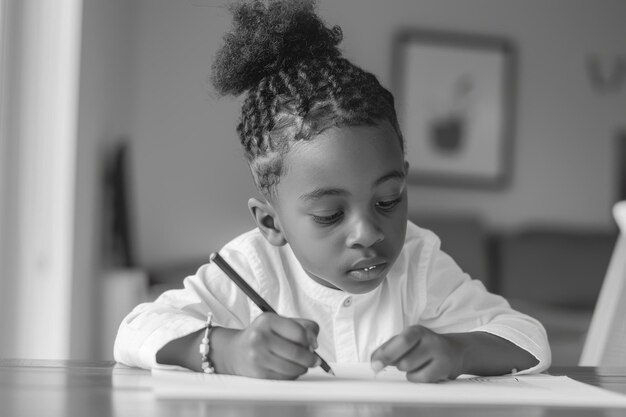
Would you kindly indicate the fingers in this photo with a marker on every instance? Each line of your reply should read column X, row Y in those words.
column 390, row 352
column 292, row 353
column 297, row 340
column 424, row 355
column 433, row 371
column 299, row 331
column 312, row 329
column 281, row 348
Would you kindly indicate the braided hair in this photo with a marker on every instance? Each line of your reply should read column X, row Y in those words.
column 297, row 84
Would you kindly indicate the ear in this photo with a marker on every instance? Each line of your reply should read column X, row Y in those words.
column 265, row 217
column 406, row 168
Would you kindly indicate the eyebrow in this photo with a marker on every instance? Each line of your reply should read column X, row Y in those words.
column 322, row 192
column 395, row 174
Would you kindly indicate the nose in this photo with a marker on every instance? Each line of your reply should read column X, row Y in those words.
column 364, row 232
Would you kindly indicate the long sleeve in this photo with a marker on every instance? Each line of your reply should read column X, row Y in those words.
column 457, row 303
column 425, row 286
column 177, row 313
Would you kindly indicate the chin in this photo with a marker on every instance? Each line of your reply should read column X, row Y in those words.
column 363, row 287
column 348, row 285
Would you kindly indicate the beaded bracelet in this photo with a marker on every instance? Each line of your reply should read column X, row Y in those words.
column 205, row 348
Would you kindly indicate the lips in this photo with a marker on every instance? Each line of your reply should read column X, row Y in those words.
column 369, row 263
column 367, row 269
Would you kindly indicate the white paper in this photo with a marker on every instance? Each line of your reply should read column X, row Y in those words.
column 356, row 382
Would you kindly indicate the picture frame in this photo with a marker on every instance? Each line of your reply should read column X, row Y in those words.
column 454, row 95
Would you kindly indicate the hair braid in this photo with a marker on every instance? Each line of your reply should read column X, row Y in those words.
column 297, row 82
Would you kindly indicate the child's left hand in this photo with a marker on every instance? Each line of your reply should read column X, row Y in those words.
column 424, row 355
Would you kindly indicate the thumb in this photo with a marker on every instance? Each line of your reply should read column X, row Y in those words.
column 312, row 329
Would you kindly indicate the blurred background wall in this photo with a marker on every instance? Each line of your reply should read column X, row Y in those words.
column 192, row 185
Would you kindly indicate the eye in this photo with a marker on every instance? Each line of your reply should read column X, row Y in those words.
column 328, row 220
column 388, row 205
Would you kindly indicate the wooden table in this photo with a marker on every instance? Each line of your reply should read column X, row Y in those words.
column 93, row 389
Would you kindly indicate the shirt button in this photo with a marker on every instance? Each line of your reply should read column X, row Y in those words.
column 347, row 302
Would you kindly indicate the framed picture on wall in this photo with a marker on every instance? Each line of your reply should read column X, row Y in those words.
column 454, row 97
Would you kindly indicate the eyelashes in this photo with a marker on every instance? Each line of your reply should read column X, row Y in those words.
column 384, row 206
column 389, row 205
column 328, row 220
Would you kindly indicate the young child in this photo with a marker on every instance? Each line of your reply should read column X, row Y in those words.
column 333, row 252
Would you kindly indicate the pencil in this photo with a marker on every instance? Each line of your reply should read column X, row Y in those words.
column 254, row 296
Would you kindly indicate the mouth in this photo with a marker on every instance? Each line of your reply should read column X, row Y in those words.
column 367, row 272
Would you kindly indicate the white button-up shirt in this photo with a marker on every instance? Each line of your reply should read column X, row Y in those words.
column 425, row 286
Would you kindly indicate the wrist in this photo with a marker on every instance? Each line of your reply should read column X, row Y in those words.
column 483, row 353
column 222, row 350
column 182, row 352
column 460, row 346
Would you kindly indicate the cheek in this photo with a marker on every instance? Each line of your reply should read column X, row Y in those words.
column 397, row 228
column 320, row 251
column 311, row 243
column 318, row 260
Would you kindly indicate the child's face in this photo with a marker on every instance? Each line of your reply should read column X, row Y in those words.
column 342, row 205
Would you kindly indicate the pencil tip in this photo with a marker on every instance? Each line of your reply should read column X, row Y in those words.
column 212, row 256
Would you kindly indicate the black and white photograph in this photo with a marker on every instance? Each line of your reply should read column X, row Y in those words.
column 312, row 208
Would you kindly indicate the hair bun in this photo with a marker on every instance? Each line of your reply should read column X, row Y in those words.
column 266, row 38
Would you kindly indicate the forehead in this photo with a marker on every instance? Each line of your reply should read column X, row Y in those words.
column 349, row 158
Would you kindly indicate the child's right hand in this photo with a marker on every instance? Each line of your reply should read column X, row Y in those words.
column 274, row 347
